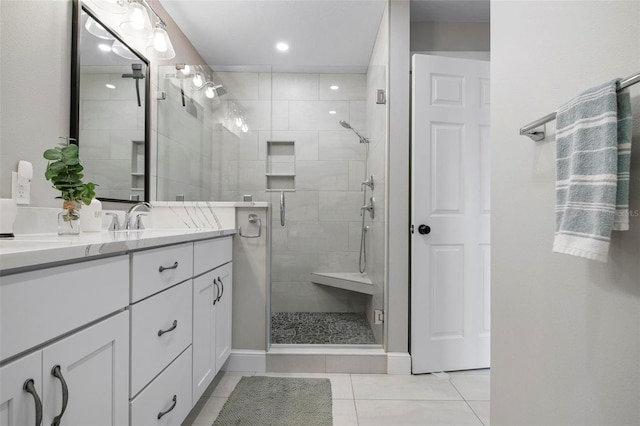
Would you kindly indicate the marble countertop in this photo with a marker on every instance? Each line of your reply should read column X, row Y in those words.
column 31, row 251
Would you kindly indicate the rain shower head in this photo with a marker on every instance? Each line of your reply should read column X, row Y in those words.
column 348, row 126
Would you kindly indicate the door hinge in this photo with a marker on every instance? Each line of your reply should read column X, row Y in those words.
column 378, row 316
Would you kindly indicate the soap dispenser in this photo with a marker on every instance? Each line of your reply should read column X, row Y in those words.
column 8, row 213
column 91, row 216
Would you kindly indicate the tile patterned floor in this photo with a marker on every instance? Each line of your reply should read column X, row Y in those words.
column 459, row 398
column 320, row 328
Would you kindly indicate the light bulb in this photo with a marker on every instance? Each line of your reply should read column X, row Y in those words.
column 210, row 93
column 137, row 23
column 104, row 47
column 186, row 70
column 197, row 80
column 334, row 87
column 161, row 45
column 332, row 112
column 245, row 128
column 239, row 122
column 282, row 46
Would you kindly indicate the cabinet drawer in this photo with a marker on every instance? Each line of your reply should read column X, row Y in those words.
column 158, row 397
column 210, row 254
column 155, row 342
column 155, row 270
column 40, row 305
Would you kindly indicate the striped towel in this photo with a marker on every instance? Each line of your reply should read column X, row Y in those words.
column 592, row 186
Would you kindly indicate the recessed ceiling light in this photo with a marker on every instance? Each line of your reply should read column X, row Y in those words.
column 110, row 86
column 282, row 46
column 332, row 112
column 334, row 87
column 104, row 47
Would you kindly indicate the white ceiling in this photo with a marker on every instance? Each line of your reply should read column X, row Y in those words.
column 324, row 35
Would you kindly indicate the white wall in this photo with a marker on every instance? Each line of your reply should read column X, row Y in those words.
column 566, row 331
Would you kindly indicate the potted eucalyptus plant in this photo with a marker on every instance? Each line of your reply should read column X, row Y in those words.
column 65, row 173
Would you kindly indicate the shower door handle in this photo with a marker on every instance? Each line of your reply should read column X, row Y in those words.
column 282, row 208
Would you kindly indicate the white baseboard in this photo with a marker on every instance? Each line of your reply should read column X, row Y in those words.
column 247, row 360
column 398, row 363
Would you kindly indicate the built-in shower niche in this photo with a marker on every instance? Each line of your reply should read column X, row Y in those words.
column 281, row 166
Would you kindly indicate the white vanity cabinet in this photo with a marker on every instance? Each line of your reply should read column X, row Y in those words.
column 134, row 338
column 82, row 374
column 212, row 293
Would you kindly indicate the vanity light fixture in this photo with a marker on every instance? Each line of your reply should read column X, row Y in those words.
column 136, row 22
column 209, row 92
column 161, row 42
column 113, row 6
column 186, row 69
column 282, row 46
column 97, row 30
column 244, row 128
column 197, row 80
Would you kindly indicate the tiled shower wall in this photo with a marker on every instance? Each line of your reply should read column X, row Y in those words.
column 110, row 120
column 322, row 232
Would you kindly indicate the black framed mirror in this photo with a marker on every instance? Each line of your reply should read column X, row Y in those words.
column 110, row 109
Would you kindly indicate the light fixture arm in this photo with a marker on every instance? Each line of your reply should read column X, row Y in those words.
column 148, row 6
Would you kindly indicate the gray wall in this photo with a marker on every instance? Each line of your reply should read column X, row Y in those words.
column 566, row 331
column 451, row 36
column 397, row 298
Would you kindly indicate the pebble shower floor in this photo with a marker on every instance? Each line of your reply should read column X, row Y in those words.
column 320, row 328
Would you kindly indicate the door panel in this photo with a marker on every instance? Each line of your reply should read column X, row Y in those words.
column 450, row 285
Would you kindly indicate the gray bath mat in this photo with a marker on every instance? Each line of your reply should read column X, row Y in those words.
column 278, row 401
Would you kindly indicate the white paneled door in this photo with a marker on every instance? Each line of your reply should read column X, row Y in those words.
column 450, row 281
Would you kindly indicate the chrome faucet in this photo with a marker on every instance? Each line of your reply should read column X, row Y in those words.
column 129, row 215
column 368, row 182
column 369, row 207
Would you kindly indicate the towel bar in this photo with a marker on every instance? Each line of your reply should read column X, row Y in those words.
column 533, row 130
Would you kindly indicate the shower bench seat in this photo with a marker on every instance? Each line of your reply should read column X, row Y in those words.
column 352, row 281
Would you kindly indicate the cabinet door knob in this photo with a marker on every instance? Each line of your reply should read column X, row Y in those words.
column 57, row 373
column 173, row 327
column 175, row 401
column 164, row 268
column 29, row 387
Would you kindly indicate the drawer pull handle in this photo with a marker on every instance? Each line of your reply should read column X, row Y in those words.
column 57, row 373
column 222, row 292
column 173, row 327
column 215, row 299
column 164, row 268
column 29, row 387
column 175, row 401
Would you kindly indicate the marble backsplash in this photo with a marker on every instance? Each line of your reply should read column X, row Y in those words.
column 183, row 215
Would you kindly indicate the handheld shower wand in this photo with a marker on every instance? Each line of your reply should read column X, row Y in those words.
column 348, row 126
